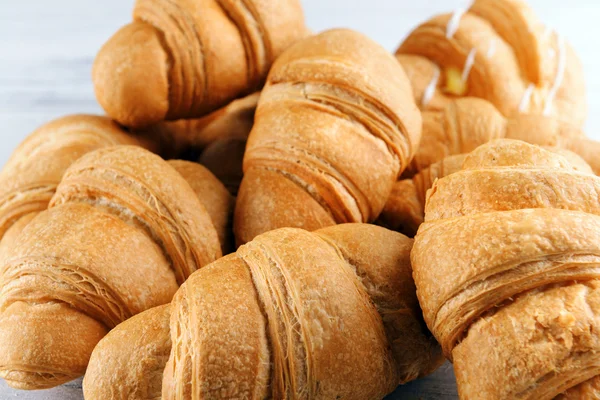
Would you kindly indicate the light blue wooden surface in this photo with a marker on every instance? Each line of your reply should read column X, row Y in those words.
column 439, row 386
column 47, row 48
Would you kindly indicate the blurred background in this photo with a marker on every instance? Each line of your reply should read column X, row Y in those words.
column 47, row 48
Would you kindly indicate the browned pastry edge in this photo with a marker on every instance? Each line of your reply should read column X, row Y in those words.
column 236, row 283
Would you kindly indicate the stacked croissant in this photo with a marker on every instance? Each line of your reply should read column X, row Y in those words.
column 234, row 228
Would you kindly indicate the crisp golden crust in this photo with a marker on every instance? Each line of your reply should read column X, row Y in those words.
column 138, row 185
column 464, row 124
column 184, row 59
column 144, row 338
column 382, row 262
column 586, row 148
column 30, row 177
column 210, row 344
column 219, row 138
column 123, row 229
column 535, row 348
column 498, row 51
column 64, row 285
column 506, row 268
column 336, row 124
column 458, row 128
column 589, row 389
column 10, row 237
column 273, row 321
column 404, row 210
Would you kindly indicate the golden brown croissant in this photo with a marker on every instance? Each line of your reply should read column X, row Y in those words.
column 466, row 123
column 499, row 51
column 185, row 59
column 29, row 178
column 506, row 269
column 335, row 125
column 404, row 210
column 123, row 230
column 293, row 314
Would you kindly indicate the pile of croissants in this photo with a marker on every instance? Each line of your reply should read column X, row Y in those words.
column 388, row 213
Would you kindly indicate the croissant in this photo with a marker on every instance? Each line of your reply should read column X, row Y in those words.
column 335, row 125
column 123, row 230
column 404, row 210
column 466, row 123
column 29, row 178
column 506, row 269
column 499, row 51
column 292, row 314
column 184, row 59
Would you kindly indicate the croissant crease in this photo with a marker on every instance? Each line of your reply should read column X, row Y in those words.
column 465, row 124
column 30, row 177
column 184, row 59
column 405, row 209
column 506, row 269
column 499, row 51
column 312, row 328
column 233, row 121
column 122, row 231
column 334, row 127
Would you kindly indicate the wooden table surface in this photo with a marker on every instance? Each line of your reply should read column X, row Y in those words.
column 47, row 48
column 438, row 386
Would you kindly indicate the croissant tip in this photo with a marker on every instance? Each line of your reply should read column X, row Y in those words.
column 130, row 75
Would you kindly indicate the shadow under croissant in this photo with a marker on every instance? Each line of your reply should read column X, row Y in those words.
column 287, row 313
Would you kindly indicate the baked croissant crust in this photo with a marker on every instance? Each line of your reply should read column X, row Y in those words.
column 405, row 209
column 506, row 269
column 499, row 51
column 30, row 177
column 123, row 230
column 465, row 124
column 335, row 125
column 292, row 314
column 184, row 59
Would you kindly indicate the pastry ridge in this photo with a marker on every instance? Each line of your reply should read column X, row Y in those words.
column 513, row 297
column 321, row 309
column 140, row 230
column 330, row 136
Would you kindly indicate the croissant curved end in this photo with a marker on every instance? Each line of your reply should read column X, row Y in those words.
column 59, row 352
column 130, row 75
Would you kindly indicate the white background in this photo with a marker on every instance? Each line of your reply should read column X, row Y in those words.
column 47, row 47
